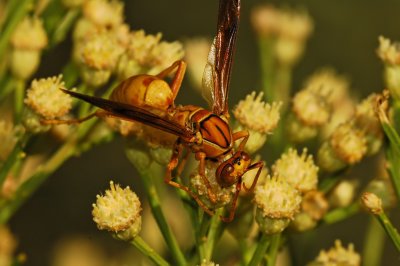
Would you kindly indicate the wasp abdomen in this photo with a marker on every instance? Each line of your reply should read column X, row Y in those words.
column 144, row 90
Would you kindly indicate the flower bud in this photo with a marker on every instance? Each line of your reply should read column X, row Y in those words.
column 310, row 108
column 372, row 203
column 118, row 211
column 343, row 194
column 389, row 53
column 298, row 131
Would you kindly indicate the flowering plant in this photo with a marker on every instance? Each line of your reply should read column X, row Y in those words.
column 311, row 141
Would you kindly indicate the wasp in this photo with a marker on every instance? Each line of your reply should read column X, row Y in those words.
column 150, row 100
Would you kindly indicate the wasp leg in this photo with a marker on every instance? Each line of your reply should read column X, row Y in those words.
column 244, row 134
column 201, row 157
column 173, row 163
column 179, row 74
column 234, row 204
column 258, row 165
column 98, row 113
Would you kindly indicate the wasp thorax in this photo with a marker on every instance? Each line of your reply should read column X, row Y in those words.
column 229, row 172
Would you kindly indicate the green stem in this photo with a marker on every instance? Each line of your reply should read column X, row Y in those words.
column 267, row 67
column 158, row 214
column 374, row 243
column 213, row 234
column 14, row 17
column 27, row 188
column 340, row 214
column 12, row 159
column 394, row 168
column 146, row 250
column 260, row 251
column 64, row 26
column 6, row 87
column 281, row 86
column 19, row 94
column 390, row 229
column 273, row 249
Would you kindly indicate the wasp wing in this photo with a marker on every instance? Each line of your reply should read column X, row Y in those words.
column 222, row 53
column 134, row 113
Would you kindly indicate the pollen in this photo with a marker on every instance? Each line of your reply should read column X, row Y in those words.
column 254, row 114
column 45, row 97
column 298, row 169
column 118, row 210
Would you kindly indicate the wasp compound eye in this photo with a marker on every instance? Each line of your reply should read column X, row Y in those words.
column 244, row 156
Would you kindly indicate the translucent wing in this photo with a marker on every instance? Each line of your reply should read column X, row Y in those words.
column 134, row 113
column 218, row 69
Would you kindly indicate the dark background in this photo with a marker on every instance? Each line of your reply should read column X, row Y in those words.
column 345, row 37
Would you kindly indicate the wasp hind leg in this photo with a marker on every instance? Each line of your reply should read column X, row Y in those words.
column 98, row 113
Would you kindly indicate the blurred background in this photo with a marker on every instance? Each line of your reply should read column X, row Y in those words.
column 345, row 37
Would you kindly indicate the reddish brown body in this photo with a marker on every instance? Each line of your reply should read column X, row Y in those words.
column 150, row 100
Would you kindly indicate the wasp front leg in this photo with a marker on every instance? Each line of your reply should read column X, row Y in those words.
column 173, row 163
column 258, row 165
column 234, row 204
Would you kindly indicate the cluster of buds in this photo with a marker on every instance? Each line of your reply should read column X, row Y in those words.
column 350, row 141
column 389, row 53
column 288, row 29
column 119, row 212
column 104, row 45
column 337, row 255
column 27, row 42
column 315, row 105
column 258, row 117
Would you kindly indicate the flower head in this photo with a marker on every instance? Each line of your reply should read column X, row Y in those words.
column 343, row 194
column 329, row 85
column 298, row 170
column 164, row 54
column 29, row 34
column 118, row 211
column 389, row 52
column 349, row 143
column 100, row 51
column 277, row 202
column 104, row 12
column 310, row 108
column 45, row 97
column 257, row 115
column 277, row 198
column 265, row 20
column 337, row 255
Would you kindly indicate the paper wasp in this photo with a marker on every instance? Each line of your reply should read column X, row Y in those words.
column 150, row 100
